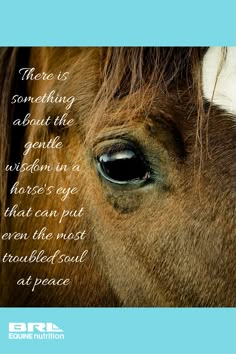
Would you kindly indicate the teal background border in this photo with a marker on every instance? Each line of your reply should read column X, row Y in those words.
column 118, row 23
column 123, row 330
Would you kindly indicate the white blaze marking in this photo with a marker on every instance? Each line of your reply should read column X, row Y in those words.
column 220, row 91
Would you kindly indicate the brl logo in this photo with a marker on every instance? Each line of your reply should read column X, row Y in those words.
column 34, row 330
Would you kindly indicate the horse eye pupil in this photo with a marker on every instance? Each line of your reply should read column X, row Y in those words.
column 123, row 167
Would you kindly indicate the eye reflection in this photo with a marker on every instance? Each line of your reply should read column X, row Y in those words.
column 125, row 166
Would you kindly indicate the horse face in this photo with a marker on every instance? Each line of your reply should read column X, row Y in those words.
column 156, row 181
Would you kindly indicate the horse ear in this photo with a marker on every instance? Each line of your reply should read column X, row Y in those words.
column 11, row 59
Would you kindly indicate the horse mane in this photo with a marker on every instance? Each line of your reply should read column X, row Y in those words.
column 8, row 58
column 11, row 59
column 127, row 70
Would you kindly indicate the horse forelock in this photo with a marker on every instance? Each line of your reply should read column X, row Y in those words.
column 128, row 71
column 133, row 80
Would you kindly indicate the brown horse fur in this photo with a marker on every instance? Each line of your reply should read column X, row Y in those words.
column 169, row 243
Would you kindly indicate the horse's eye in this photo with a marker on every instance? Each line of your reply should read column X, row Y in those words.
column 124, row 166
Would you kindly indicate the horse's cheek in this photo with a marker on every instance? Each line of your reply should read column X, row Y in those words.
column 169, row 257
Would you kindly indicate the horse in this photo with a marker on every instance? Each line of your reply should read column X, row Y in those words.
column 130, row 201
